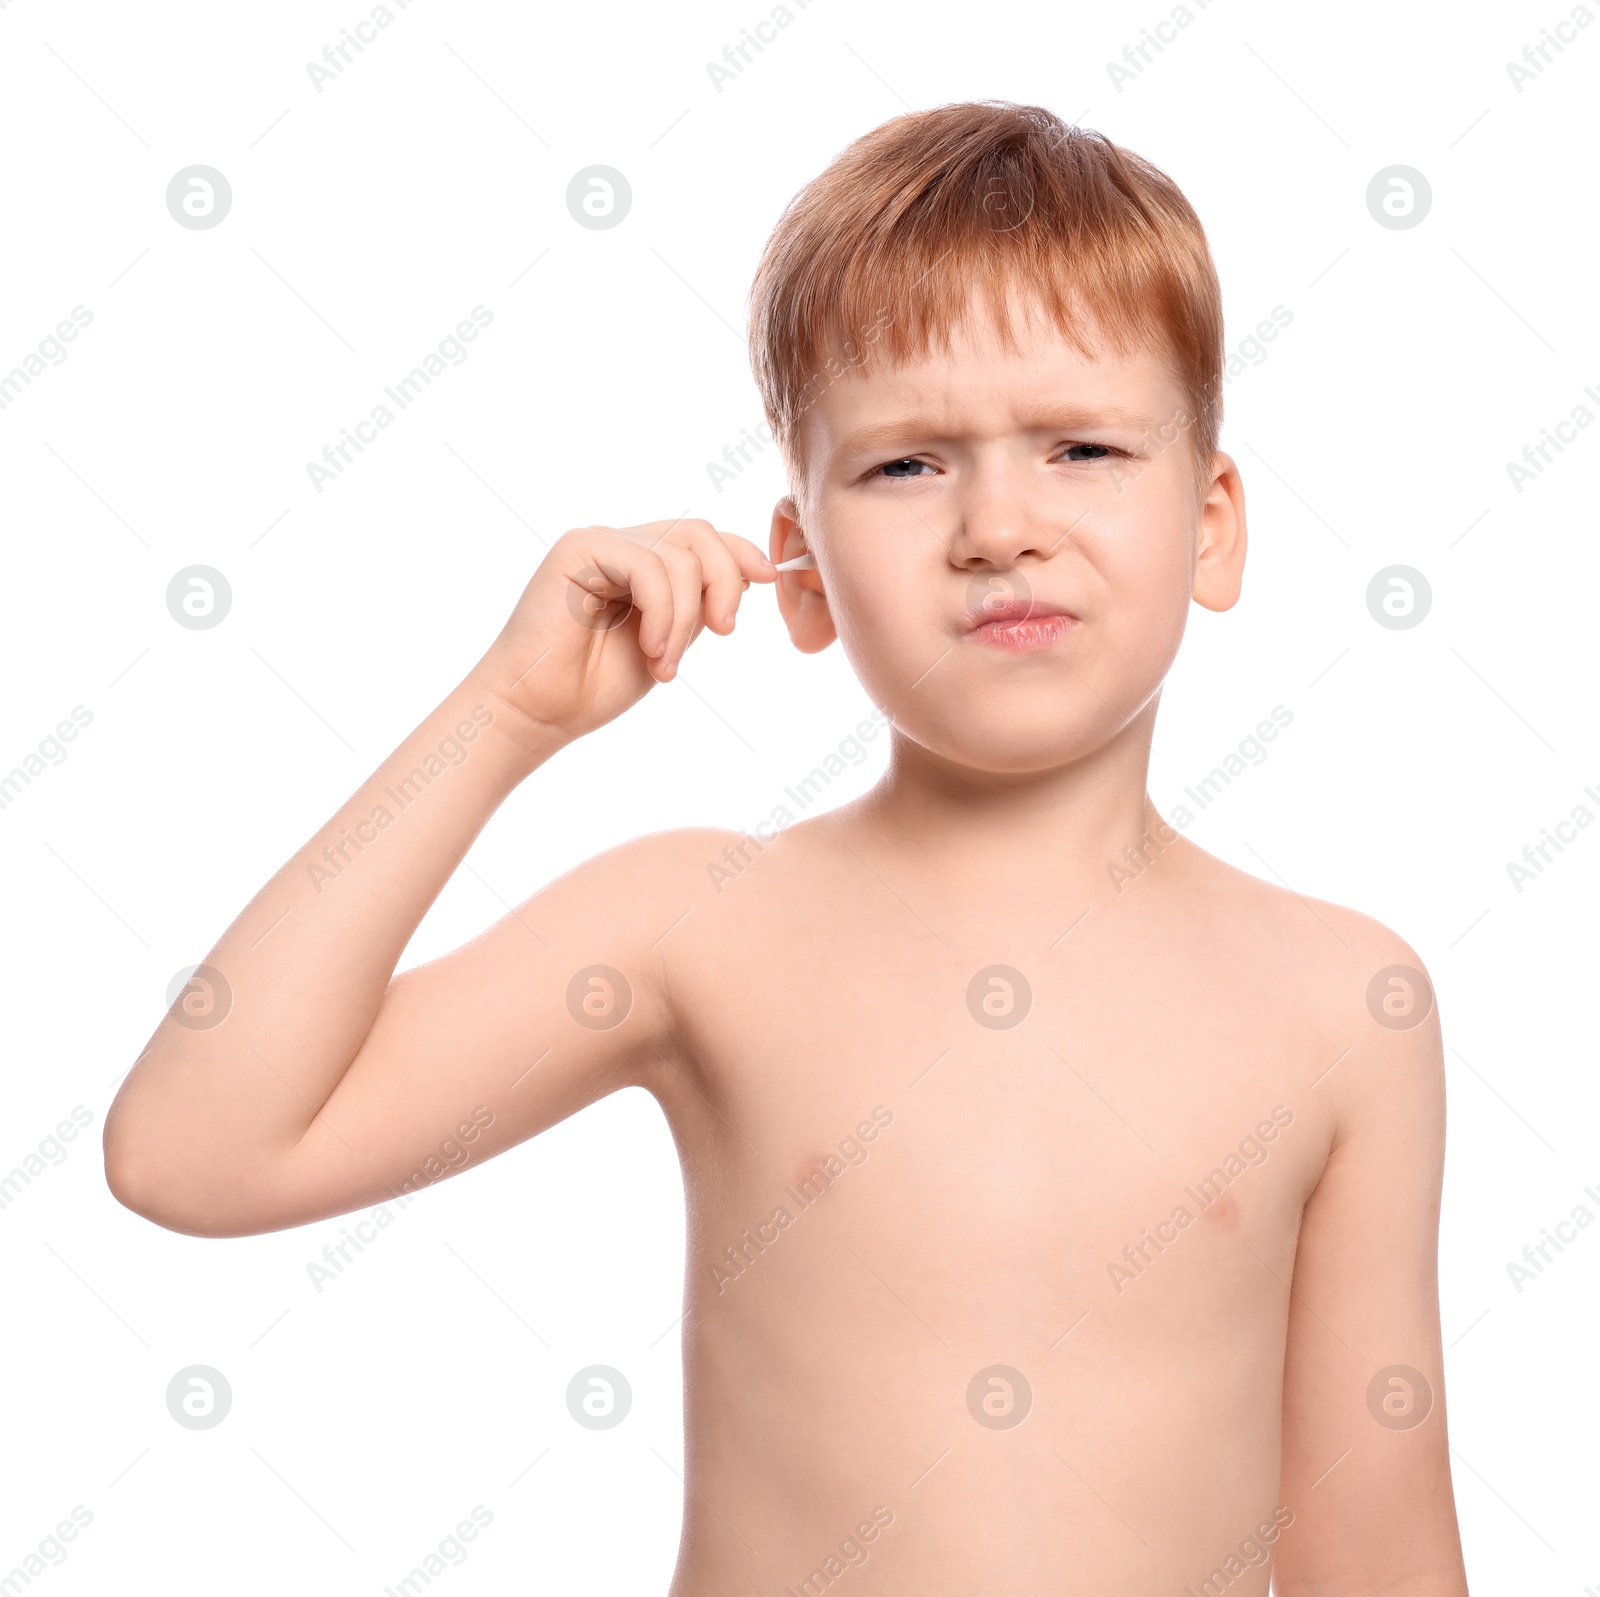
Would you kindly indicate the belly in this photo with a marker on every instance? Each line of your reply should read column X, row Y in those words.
column 982, row 1374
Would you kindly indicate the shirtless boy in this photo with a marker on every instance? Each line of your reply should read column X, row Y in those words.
column 1063, row 1202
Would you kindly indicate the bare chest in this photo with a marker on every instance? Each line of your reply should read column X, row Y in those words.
column 1022, row 1125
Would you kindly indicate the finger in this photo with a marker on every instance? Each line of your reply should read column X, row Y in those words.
column 649, row 586
column 686, row 576
column 724, row 583
column 751, row 558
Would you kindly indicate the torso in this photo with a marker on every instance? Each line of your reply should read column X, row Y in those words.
column 1034, row 1199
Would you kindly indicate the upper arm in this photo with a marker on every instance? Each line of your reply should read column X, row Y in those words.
column 1366, row 1468
column 557, row 1004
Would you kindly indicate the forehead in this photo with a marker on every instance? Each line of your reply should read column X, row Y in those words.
column 982, row 384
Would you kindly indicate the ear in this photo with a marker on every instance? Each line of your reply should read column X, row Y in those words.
column 1220, row 539
column 801, row 599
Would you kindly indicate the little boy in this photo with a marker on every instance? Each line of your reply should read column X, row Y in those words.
column 1063, row 1202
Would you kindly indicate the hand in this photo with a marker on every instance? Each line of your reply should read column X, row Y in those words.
column 608, row 614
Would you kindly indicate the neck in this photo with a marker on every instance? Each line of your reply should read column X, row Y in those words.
column 1071, row 819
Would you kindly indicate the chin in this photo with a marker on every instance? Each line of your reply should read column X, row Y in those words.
column 1014, row 745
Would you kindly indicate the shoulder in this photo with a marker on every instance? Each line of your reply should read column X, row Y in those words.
column 1364, row 981
column 683, row 856
column 1347, row 963
column 655, row 880
column 1357, row 987
column 635, row 915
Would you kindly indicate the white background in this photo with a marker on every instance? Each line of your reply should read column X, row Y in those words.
column 367, row 220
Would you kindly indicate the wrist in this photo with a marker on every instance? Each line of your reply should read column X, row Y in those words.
column 530, row 740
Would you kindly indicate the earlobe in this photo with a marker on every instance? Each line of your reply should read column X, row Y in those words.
column 1220, row 539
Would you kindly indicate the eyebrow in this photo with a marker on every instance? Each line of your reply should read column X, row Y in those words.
column 1040, row 418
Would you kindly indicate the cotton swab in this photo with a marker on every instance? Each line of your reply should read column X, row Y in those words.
column 805, row 562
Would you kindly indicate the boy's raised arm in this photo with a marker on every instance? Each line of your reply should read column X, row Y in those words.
column 298, row 1077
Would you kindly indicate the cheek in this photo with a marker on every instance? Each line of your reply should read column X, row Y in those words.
column 881, row 600
column 1146, row 577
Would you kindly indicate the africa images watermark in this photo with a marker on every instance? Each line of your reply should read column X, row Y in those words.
column 736, row 457
column 49, row 1550
column 50, row 1150
column 1138, row 857
column 1254, row 1551
column 1536, row 1256
column 451, row 348
column 1250, row 750
column 737, row 57
column 37, row 760
column 51, row 348
column 854, row 1550
column 352, row 41
column 1210, row 1190
column 1154, row 441
column 849, row 750
column 1552, row 41
column 336, row 857
column 1536, row 456
column 1536, row 856
column 454, row 1153
column 853, row 1150
column 1150, row 43
column 448, row 1553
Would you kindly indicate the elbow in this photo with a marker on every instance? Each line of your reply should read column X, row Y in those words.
column 140, row 1189
column 157, row 1192
column 125, row 1177
column 135, row 1196
column 172, row 1210
column 129, row 1173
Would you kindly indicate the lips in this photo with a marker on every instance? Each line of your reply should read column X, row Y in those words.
column 1019, row 624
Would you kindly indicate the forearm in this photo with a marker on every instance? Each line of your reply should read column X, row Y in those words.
column 232, row 1079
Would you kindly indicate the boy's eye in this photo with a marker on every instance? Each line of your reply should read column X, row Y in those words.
column 908, row 467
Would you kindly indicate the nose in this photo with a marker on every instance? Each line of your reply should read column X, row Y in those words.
column 999, row 521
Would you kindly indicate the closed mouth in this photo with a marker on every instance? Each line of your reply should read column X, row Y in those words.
column 1019, row 624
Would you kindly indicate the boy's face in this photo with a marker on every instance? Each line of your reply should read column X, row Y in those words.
column 1007, row 542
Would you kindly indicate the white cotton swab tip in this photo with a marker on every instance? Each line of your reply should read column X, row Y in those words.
column 805, row 562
